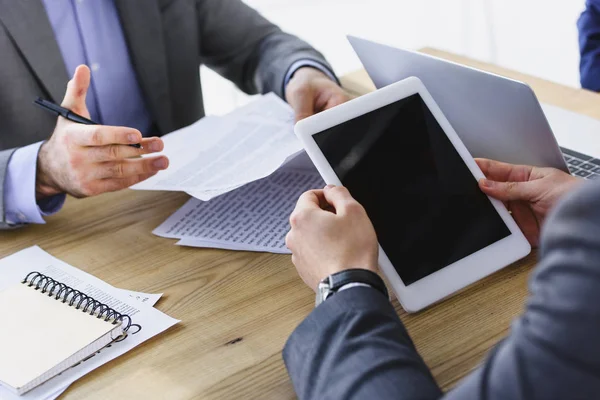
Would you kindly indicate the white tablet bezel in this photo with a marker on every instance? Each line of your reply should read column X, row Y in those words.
column 457, row 275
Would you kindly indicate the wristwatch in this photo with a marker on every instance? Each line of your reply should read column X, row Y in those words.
column 331, row 284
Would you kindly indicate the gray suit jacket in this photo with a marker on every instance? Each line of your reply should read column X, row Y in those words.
column 167, row 40
column 354, row 346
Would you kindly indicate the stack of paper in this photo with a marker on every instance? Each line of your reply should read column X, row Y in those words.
column 251, row 167
column 251, row 218
column 218, row 154
column 139, row 306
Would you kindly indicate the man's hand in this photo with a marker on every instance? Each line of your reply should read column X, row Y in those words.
column 311, row 91
column 330, row 232
column 86, row 160
column 529, row 192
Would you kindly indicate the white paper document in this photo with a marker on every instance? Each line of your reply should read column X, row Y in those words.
column 147, row 321
column 252, row 218
column 218, row 154
column 150, row 299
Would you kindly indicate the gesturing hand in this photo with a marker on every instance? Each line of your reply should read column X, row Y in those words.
column 86, row 160
column 529, row 192
column 330, row 232
column 311, row 91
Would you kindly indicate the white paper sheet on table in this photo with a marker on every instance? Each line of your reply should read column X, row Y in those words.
column 270, row 108
column 252, row 218
column 277, row 247
column 207, row 195
column 149, row 299
column 218, row 154
column 15, row 267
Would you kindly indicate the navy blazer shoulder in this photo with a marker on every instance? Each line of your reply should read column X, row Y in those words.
column 588, row 25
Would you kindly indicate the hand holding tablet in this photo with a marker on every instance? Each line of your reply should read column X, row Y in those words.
column 397, row 154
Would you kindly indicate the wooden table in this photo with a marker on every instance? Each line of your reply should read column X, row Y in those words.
column 238, row 308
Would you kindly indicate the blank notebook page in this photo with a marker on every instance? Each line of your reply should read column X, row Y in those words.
column 38, row 333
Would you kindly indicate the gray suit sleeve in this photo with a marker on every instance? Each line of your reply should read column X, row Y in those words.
column 4, row 159
column 244, row 47
column 354, row 346
column 553, row 350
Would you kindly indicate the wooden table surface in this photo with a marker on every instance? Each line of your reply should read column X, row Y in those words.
column 238, row 308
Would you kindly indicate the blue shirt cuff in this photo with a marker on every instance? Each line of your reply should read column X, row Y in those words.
column 20, row 204
column 307, row 63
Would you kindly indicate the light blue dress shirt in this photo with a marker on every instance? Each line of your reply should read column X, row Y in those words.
column 88, row 32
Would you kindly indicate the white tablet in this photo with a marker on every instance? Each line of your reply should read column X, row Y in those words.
column 399, row 157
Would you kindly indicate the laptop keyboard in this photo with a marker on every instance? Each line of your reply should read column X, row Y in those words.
column 582, row 165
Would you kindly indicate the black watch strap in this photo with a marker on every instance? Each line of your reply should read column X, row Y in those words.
column 357, row 275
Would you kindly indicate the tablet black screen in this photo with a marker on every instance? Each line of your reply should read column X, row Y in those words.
column 425, row 204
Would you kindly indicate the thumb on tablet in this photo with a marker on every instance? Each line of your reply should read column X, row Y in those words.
column 508, row 191
column 340, row 198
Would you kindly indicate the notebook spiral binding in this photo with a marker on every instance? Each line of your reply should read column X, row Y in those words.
column 77, row 299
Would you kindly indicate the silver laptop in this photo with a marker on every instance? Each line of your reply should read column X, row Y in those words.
column 496, row 117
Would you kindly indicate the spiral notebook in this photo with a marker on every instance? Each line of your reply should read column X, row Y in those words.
column 48, row 327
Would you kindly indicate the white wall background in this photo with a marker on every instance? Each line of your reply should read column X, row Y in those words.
column 538, row 37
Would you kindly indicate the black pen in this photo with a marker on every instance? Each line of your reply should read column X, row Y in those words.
column 70, row 115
